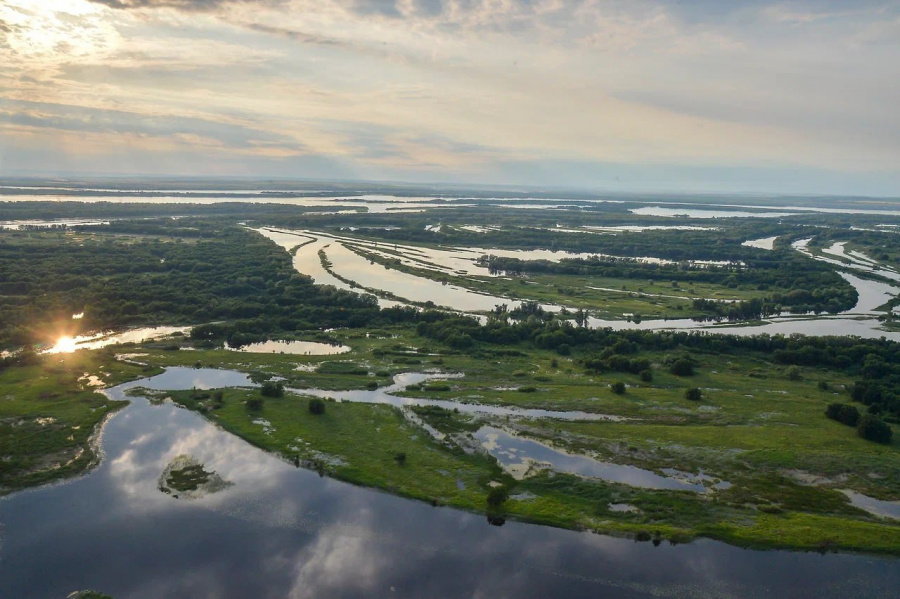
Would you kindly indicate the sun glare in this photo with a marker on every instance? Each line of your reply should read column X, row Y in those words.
column 64, row 345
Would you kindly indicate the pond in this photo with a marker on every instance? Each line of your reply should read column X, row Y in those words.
column 303, row 348
column 274, row 530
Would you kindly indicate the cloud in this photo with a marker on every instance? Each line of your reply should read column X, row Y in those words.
column 293, row 34
column 186, row 5
column 90, row 120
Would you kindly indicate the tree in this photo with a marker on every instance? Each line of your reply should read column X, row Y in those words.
column 693, row 394
column 497, row 496
column 873, row 428
column 793, row 373
column 316, row 406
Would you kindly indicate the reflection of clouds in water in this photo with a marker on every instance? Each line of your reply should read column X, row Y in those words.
column 135, row 470
column 335, row 562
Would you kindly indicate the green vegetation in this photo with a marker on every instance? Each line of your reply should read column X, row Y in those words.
column 762, row 413
column 50, row 414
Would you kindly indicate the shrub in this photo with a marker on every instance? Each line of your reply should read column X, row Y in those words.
column 372, row 385
column 497, row 496
column 844, row 413
column 618, row 387
column 682, row 367
column 400, row 458
column 875, row 429
column 647, row 375
column 272, row 389
column 436, row 387
column 693, row 394
column 316, row 406
column 527, row 389
column 793, row 373
column 255, row 404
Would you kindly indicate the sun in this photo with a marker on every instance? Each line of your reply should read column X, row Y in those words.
column 64, row 345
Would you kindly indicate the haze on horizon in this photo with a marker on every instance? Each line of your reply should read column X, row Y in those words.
column 696, row 95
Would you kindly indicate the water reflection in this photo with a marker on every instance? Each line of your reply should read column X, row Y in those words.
column 285, row 532
column 878, row 507
column 99, row 340
column 520, row 456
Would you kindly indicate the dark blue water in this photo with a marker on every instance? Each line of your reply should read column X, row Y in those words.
column 279, row 531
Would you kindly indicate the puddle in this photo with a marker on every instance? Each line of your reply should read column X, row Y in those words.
column 877, row 507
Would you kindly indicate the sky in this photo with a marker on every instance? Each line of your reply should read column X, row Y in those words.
column 689, row 95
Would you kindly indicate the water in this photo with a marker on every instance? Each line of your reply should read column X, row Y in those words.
column 16, row 225
column 385, row 395
column 303, row 348
column 859, row 321
column 765, row 243
column 518, row 455
column 279, row 531
column 99, row 340
column 878, row 507
column 706, row 212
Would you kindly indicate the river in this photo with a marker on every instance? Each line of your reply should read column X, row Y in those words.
column 280, row 531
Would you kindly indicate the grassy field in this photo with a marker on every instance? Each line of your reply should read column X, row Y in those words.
column 759, row 426
column 49, row 414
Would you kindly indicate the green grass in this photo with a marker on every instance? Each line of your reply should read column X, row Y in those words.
column 48, row 416
column 607, row 297
column 756, row 427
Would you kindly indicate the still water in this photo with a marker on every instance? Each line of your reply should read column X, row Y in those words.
column 279, row 531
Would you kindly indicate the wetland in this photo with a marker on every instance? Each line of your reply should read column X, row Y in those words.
column 624, row 392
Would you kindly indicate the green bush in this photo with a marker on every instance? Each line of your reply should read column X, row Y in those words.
column 316, row 406
column 875, row 429
column 272, row 389
column 693, row 394
column 682, row 367
column 843, row 413
column 618, row 387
